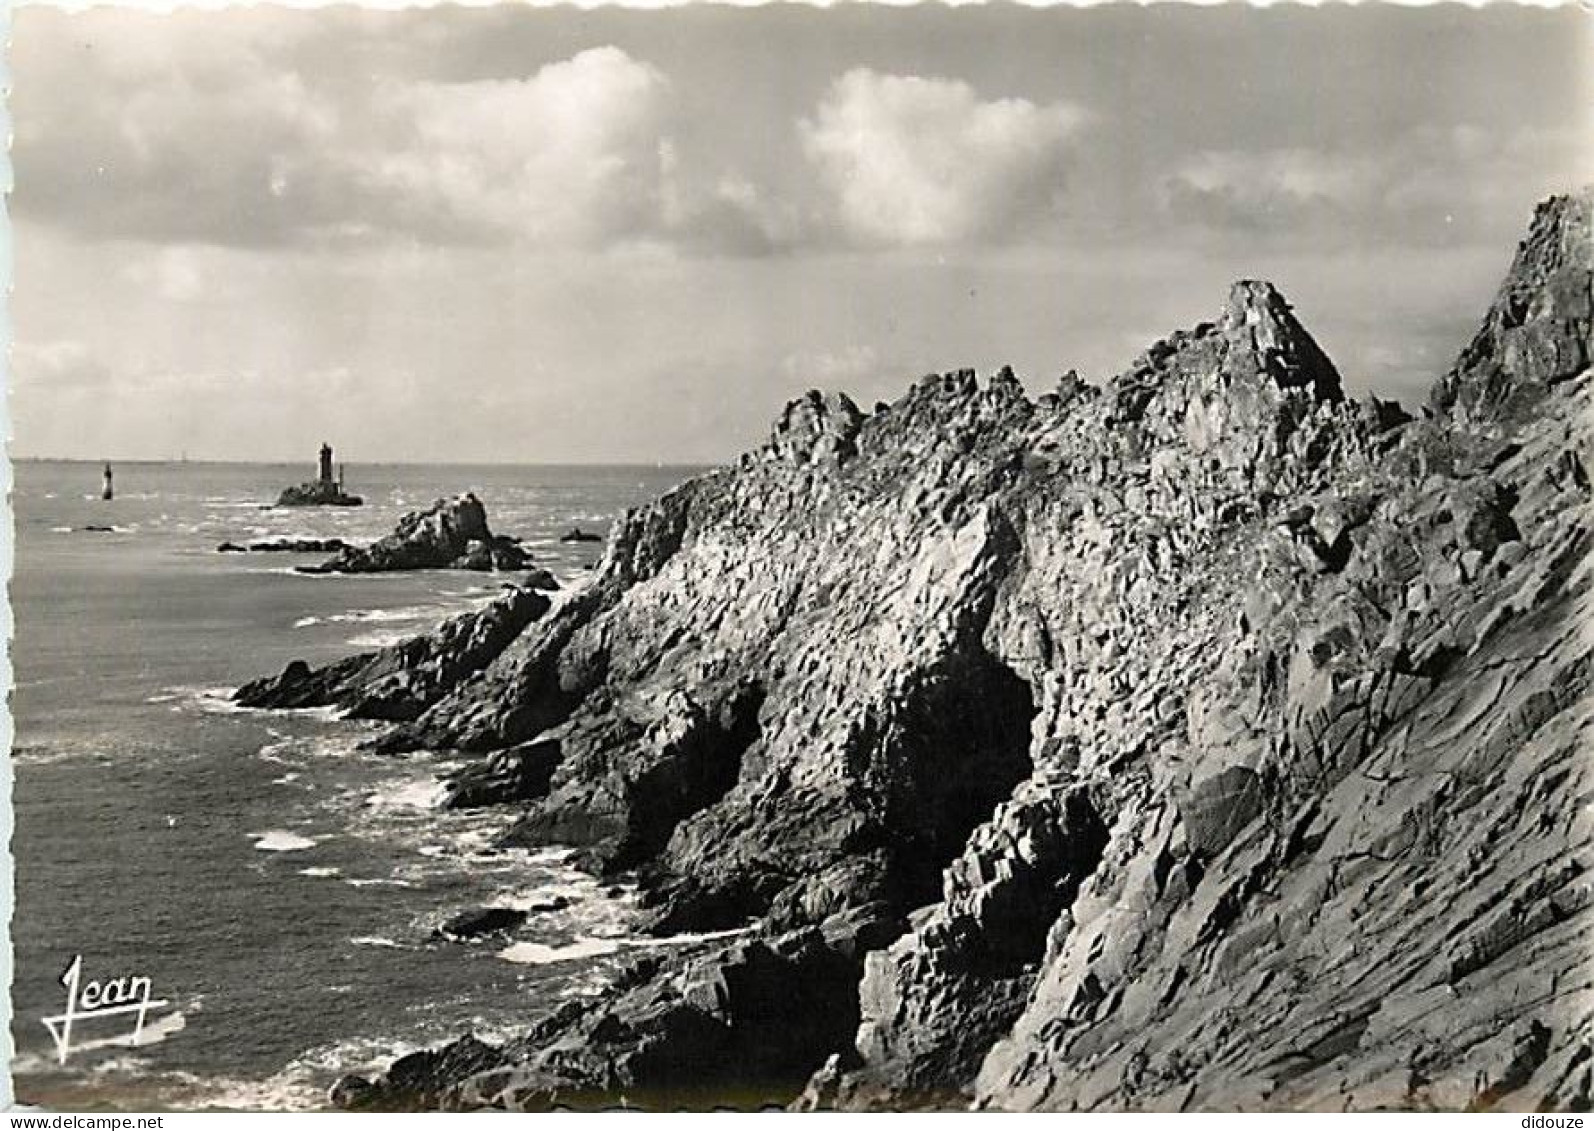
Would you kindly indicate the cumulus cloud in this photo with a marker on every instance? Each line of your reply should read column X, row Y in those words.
column 569, row 155
column 926, row 161
column 137, row 143
column 236, row 147
column 1425, row 186
column 1276, row 188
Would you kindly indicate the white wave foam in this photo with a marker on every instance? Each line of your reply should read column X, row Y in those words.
column 379, row 941
column 540, row 954
column 37, row 756
column 423, row 795
column 592, row 946
column 121, row 1066
column 682, row 939
column 274, row 752
column 378, row 882
column 379, row 639
column 319, row 871
column 281, row 840
column 386, row 616
column 32, row 1064
column 301, row 1084
column 211, row 700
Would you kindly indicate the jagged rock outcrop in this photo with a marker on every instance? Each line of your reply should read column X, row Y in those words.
column 450, row 534
column 400, row 681
column 1539, row 329
column 1211, row 739
column 420, row 1080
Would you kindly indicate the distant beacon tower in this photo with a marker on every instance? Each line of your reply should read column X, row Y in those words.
column 326, row 462
column 107, row 493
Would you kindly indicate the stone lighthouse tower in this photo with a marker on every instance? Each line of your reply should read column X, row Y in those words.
column 326, row 463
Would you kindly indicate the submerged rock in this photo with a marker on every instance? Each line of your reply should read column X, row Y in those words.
column 1208, row 740
column 286, row 546
column 479, row 922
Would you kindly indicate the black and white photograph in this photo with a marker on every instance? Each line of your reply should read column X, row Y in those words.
column 868, row 558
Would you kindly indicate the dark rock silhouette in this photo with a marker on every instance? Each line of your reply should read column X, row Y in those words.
column 326, row 490
column 286, row 546
column 1208, row 740
column 418, row 1080
column 576, row 534
column 480, row 922
column 540, row 578
column 519, row 773
column 317, row 495
column 450, row 534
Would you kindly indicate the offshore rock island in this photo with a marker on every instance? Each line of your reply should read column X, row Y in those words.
column 1211, row 739
column 450, row 534
column 325, row 490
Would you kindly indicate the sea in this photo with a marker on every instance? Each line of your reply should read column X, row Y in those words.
column 277, row 886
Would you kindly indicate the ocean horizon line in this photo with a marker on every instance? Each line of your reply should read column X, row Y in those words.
column 178, row 461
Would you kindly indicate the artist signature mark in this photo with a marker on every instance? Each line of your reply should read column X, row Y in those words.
column 114, row 997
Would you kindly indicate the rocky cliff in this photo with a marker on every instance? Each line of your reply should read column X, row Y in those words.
column 1211, row 739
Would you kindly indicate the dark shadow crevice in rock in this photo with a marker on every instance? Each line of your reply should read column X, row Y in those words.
column 938, row 999
column 696, row 769
column 952, row 749
column 623, row 788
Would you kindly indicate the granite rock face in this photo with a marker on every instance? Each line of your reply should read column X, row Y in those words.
column 450, row 534
column 1538, row 331
column 1210, row 739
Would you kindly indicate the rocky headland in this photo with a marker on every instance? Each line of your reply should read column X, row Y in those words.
column 401, row 681
column 1212, row 739
column 450, row 534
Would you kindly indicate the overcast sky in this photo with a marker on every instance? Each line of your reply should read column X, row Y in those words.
column 561, row 235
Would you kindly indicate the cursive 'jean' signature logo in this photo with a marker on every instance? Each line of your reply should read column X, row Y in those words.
column 85, row 1001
